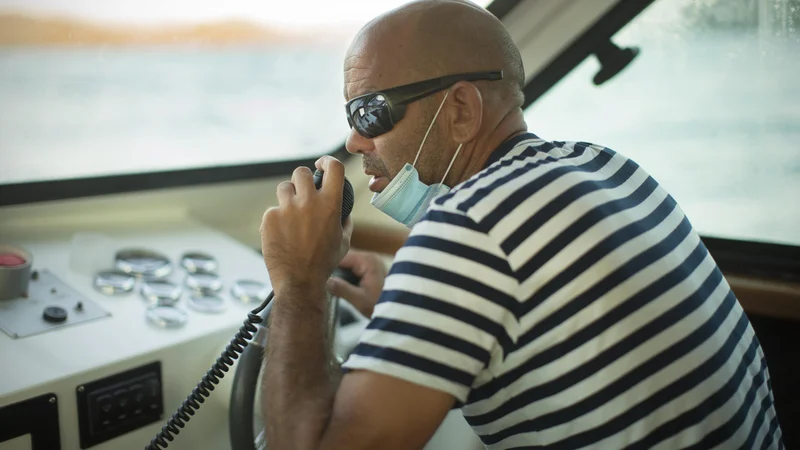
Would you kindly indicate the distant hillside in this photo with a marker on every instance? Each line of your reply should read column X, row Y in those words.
column 20, row 29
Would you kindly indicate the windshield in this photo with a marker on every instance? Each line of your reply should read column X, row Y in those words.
column 710, row 108
column 106, row 87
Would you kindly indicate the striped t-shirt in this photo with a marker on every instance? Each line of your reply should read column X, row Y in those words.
column 563, row 298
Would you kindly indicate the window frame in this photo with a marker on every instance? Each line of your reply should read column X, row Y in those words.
column 581, row 48
column 64, row 189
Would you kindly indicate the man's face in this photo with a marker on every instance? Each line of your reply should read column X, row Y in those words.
column 384, row 155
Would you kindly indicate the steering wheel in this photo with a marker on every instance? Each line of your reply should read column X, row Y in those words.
column 242, row 418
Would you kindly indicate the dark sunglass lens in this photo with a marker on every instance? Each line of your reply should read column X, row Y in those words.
column 370, row 115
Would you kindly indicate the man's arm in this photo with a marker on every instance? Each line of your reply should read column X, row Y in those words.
column 445, row 312
column 301, row 403
column 300, row 375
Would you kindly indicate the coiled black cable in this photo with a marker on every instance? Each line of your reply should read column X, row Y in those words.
column 210, row 379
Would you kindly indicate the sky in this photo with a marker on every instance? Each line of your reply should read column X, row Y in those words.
column 276, row 12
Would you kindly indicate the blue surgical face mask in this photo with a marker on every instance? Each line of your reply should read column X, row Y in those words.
column 406, row 198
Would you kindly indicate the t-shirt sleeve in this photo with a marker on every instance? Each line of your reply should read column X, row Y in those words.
column 447, row 308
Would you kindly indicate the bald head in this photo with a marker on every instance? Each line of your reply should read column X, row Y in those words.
column 432, row 38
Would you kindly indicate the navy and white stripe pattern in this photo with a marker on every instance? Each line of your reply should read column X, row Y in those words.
column 563, row 298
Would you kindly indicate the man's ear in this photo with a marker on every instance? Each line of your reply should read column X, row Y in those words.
column 465, row 111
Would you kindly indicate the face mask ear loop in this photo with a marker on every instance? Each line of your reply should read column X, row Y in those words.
column 451, row 163
column 429, row 128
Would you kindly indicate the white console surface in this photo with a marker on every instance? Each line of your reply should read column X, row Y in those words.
column 125, row 334
column 60, row 361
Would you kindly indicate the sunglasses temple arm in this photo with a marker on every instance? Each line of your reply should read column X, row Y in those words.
column 422, row 89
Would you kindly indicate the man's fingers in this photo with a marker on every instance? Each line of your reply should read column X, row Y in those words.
column 303, row 181
column 345, row 290
column 350, row 260
column 333, row 180
column 285, row 192
column 354, row 295
column 357, row 262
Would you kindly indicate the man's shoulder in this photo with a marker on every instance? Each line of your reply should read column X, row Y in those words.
column 509, row 172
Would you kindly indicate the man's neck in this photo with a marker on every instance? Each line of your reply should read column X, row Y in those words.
column 513, row 124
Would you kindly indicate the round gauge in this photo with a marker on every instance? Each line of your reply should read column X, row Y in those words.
column 203, row 282
column 161, row 292
column 167, row 316
column 114, row 282
column 143, row 263
column 249, row 291
column 207, row 303
column 198, row 262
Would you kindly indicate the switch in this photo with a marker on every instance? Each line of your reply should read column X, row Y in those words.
column 121, row 398
column 118, row 403
column 153, row 388
column 136, row 393
column 104, row 404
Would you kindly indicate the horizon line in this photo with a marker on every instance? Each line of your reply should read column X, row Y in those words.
column 31, row 14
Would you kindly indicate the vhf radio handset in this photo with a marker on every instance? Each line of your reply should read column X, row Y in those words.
column 234, row 349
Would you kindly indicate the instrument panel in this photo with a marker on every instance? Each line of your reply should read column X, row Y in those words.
column 115, row 328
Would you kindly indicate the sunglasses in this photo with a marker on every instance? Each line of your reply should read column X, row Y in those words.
column 376, row 113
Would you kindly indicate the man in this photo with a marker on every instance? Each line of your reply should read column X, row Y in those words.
column 553, row 291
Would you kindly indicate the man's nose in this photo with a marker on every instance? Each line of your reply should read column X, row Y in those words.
column 358, row 144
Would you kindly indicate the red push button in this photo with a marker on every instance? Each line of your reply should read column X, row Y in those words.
column 11, row 260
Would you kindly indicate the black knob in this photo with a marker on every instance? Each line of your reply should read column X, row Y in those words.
column 55, row 314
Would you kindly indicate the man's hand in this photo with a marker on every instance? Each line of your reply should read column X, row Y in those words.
column 370, row 268
column 302, row 239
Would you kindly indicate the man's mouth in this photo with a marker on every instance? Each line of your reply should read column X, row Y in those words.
column 378, row 183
